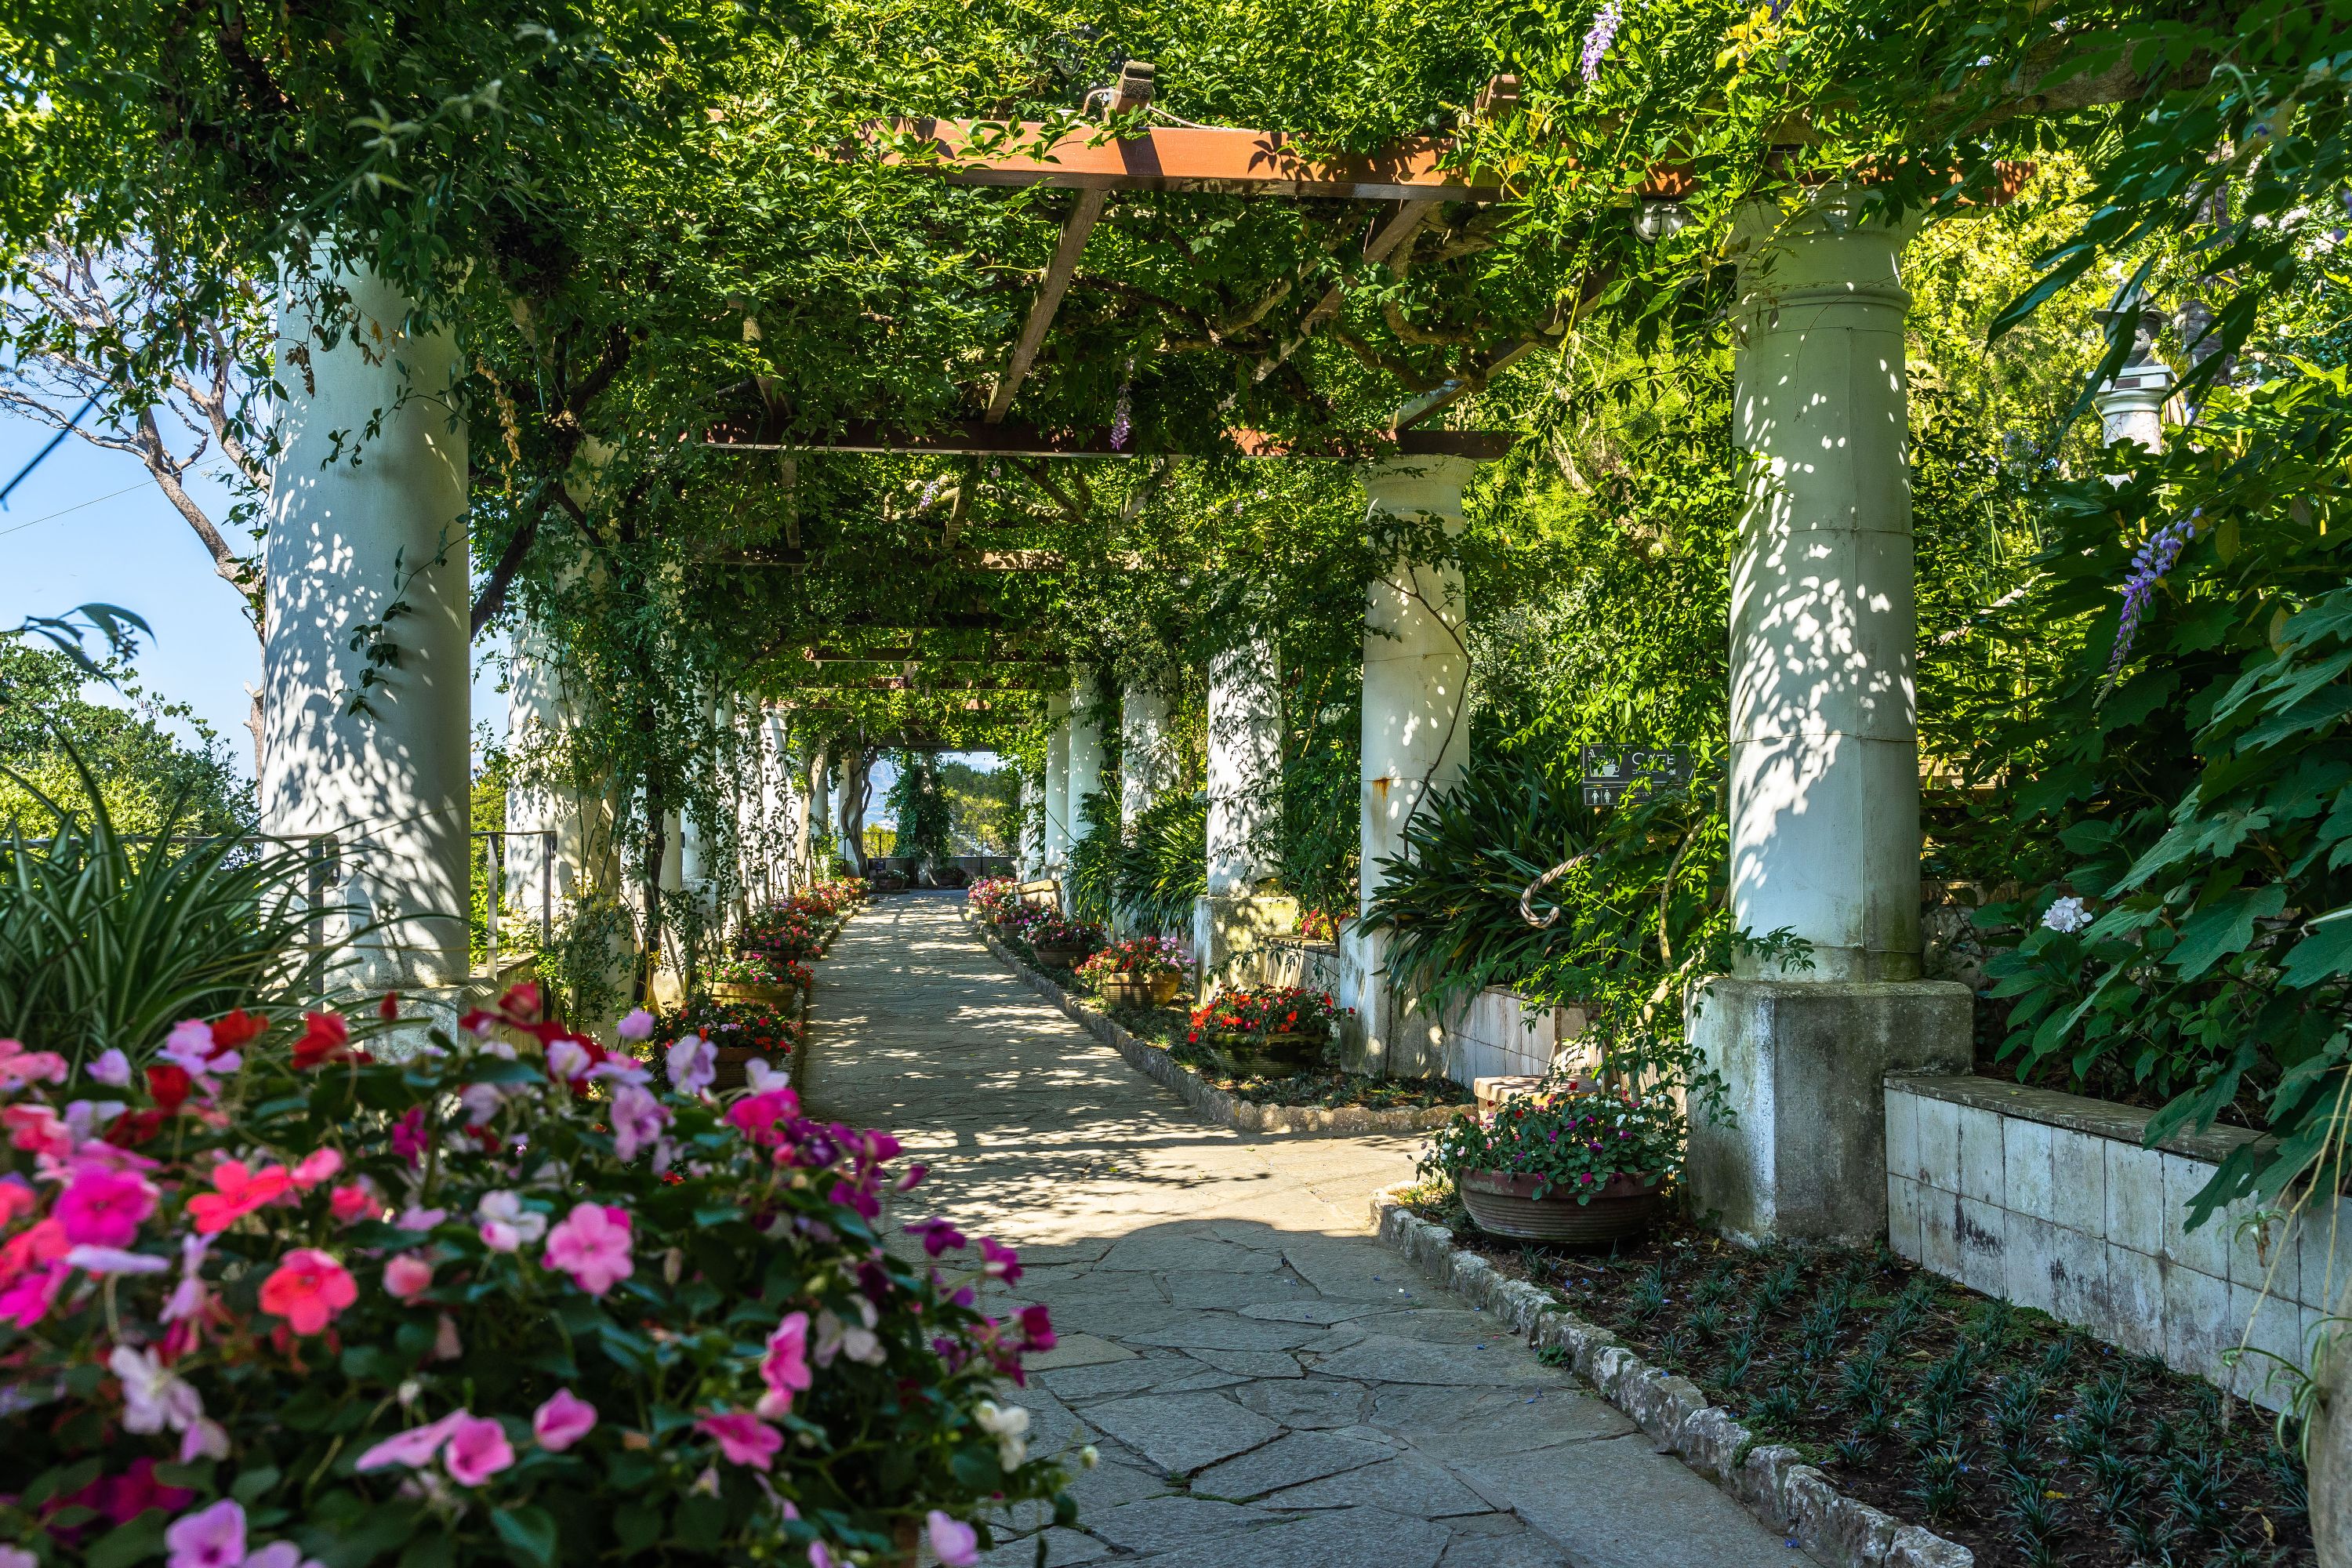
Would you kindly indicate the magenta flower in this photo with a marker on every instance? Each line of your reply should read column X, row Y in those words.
column 409, row 1135
column 209, row 1538
column 1037, row 1327
column 1000, row 1261
column 939, row 1235
column 562, row 1421
column 956, row 1544
column 592, row 1245
column 743, row 1437
column 103, row 1208
column 785, row 1368
column 478, row 1450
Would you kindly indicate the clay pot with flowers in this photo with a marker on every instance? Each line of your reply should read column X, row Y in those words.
column 1061, row 942
column 758, row 978
column 1580, row 1163
column 1141, row 972
column 1267, row 1032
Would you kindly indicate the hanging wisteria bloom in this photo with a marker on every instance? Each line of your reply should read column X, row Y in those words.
column 2148, row 569
column 1603, row 33
column 1121, row 427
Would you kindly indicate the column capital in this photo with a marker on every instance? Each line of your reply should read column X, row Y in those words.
column 1407, row 486
column 1825, row 251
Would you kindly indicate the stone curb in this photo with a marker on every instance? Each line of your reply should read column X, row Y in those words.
column 1771, row 1480
column 1214, row 1104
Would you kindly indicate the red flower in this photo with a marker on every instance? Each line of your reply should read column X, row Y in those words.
column 171, row 1086
column 389, row 1008
column 235, row 1028
column 520, row 1004
column 133, row 1128
column 322, row 1040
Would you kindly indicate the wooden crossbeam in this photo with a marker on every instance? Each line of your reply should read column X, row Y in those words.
column 1190, row 158
column 826, row 654
column 1136, row 79
column 971, row 437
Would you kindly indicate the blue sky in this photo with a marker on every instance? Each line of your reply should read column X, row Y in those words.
column 90, row 524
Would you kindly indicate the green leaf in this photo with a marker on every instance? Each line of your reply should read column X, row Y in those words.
column 2325, row 951
column 636, row 1526
column 134, row 1543
column 250, row 1484
column 529, row 1529
column 2223, row 927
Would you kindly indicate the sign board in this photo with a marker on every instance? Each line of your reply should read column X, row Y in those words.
column 1610, row 771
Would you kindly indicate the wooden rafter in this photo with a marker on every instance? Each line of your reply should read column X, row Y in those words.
column 971, row 437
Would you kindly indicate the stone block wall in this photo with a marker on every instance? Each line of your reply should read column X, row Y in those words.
column 2050, row 1201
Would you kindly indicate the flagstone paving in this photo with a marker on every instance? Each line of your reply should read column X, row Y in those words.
column 1267, row 1385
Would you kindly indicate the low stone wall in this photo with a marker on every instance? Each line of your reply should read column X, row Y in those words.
column 2051, row 1201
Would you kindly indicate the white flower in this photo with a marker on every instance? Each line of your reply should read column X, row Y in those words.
column 567, row 1059
column 693, row 1064
column 857, row 1341
column 506, row 1223
column 481, row 1102
column 113, row 1068
column 1009, row 1424
column 190, row 1044
column 760, row 1078
column 85, row 1117
column 619, row 1070
column 153, row 1398
column 2067, row 915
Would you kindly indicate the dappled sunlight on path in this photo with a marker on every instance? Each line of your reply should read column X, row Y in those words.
column 1267, row 1387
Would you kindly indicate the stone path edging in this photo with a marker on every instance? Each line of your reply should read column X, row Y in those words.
column 1771, row 1480
column 1215, row 1104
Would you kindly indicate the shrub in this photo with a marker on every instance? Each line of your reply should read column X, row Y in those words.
column 757, row 969
column 753, row 1024
column 1571, row 1139
column 991, row 897
column 506, row 1302
column 1048, row 929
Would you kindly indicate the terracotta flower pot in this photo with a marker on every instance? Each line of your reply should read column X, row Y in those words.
column 1506, row 1205
column 1062, row 957
column 1271, row 1055
column 1138, row 990
column 782, row 993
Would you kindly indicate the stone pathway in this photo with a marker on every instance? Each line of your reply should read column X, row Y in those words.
column 1267, row 1387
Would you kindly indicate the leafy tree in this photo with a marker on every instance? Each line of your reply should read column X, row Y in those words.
column 150, row 778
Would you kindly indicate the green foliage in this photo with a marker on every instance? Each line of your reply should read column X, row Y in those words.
column 924, row 812
column 583, row 973
column 1090, row 885
column 1573, row 1140
column 143, row 772
column 983, row 806
column 1163, row 862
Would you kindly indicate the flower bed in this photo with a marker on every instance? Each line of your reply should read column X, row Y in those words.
column 752, row 1023
column 2000, row 1428
column 511, row 1300
column 1271, row 1011
column 1148, row 957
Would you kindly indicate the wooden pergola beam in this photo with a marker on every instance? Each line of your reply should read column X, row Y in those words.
column 909, row 654
column 972, row 437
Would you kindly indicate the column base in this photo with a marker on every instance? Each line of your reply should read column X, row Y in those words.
column 1227, row 928
column 1385, row 1037
column 1803, row 1154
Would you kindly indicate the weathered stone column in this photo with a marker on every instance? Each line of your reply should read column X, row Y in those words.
column 820, row 811
column 1085, row 759
column 1416, row 736
column 1029, row 852
column 1145, row 767
column 1057, row 783
column 1824, row 741
column 349, row 532
column 540, row 712
column 1244, row 790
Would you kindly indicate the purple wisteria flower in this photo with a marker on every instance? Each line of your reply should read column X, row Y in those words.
column 2148, row 569
column 1121, row 426
column 1603, row 33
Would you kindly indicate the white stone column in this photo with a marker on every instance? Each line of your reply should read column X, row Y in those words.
column 2131, row 406
column 1057, row 782
column 819, row 813
column 1244, row 780
column 1824, row 786
column 1031, row 850
column 353, row 528
column 1416, row 734
column 1086, row 749
column 1146, row 769
column 540, row 711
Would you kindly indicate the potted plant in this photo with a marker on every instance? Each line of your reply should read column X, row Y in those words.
column 1061, row 942
column 1580, row 1163
column 1141, row 972
column 740, row 1032
column 1273, row 1030
column 757, row 977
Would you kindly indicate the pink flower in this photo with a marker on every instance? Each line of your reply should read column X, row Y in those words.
column 637, row 1026
column 209, row 1538
column 999, row 1260
column 956, row 1544
column 1037, row 1327
column 317, row 1165
column 478, row 1450
column 409, row 1135
column 562, row 1421
column 743, row 1437
column 414, row 1447
column 115, row 1260
column 112, row 1068
column 351, row 1200
column 592, row 1245
column 37, row 1129
column 28, row 1298
column 19, row 1067
column 236, row 1193
column 785, row 1368
column 308, row 1289
column 103, row 1208
column 280, row 1554
column 407, row 1276
column 568, row 1060
column 18, row 1199
column 638, row 1121
column 693, row 1064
